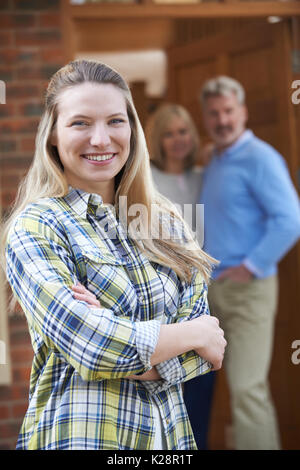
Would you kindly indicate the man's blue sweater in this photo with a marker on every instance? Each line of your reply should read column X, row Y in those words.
column 251, row 208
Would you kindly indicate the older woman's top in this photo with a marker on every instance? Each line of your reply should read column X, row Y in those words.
column 184, row 191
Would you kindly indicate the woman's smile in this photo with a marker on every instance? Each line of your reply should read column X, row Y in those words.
column 99, row 159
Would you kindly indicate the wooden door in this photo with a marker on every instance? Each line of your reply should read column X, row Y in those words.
column 260, row 59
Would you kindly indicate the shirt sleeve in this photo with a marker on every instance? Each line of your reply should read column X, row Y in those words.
column 193, row 303
column 95, row 342
column 278, row 199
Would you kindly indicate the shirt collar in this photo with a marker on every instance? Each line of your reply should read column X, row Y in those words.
column 79, row 200
column 246, row 135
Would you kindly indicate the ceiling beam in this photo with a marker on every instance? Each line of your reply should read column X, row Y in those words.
column 251, row 9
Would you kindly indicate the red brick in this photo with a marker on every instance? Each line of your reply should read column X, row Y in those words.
column 9, row 56
column 39, row 37
column 18, row 56
column 9, row 20
column 6, row 73
column 21, row 374
column 36, row 4
column 7, row 110
column 7, row 199
column 36, row 72
column 19, row 411
column 6, row 5
column 7, row 444
column 19, row 90
column 18, row 164
column 8, row 430
column 7, row 145
column 4, row 412
column 49, row 19
column 18, row 323
column 53, row 56
column 28, row 56
column 21, row 336
column 6, row 38
column 10, row 181
column 27, row 144
column 28, row 72
column 22, row 126
column 21, row 356
column 19, row 392
column 5, row 393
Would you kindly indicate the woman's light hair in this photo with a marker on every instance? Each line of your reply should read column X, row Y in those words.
column 156, row 127
column 46, row 178
column 222, row 86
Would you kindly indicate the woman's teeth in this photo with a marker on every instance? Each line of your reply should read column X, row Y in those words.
column 99, row 158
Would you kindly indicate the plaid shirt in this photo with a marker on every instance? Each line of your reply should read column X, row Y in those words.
column 79, row 396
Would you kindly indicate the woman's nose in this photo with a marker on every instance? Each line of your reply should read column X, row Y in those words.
column 100, row 136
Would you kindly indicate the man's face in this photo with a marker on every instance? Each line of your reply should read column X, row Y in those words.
column 224, row 118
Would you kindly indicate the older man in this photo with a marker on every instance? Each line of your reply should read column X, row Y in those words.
column 252, row 219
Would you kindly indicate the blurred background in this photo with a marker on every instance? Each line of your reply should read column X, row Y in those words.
column 166, row 49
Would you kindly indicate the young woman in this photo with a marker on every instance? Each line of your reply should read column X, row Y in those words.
column 108, row 375
column 173, row 142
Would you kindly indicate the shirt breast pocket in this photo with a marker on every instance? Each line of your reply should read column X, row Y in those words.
column 106, row 277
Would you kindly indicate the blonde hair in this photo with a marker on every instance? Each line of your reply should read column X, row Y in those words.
column 46, row 178
column 156, row 127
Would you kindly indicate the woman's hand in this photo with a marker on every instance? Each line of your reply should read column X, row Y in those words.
column 212, row 340
column 149, row 375
column 81, row 293
column 203, row 335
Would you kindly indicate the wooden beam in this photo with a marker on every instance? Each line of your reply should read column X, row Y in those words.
column 67, row 29
column 251, row 9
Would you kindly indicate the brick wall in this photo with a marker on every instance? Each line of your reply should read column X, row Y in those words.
column 30, row 52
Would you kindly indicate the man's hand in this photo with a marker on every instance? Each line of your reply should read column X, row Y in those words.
column 236, row 273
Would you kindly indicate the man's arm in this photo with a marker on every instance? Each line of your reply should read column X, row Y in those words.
column 273, row 189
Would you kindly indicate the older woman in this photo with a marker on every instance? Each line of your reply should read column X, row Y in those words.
column 174, row 147
column 111, row 353
column 173, row 143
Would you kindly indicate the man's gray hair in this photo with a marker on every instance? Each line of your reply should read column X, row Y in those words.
column 222, row 86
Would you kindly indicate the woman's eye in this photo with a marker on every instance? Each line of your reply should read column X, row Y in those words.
column 78, row 123
column 116, row 121
column 167, row 135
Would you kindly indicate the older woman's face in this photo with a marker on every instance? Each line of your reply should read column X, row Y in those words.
column 92, row 135
column 177, row 141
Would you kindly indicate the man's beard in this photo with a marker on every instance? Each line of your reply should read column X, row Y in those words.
column 220, row 129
